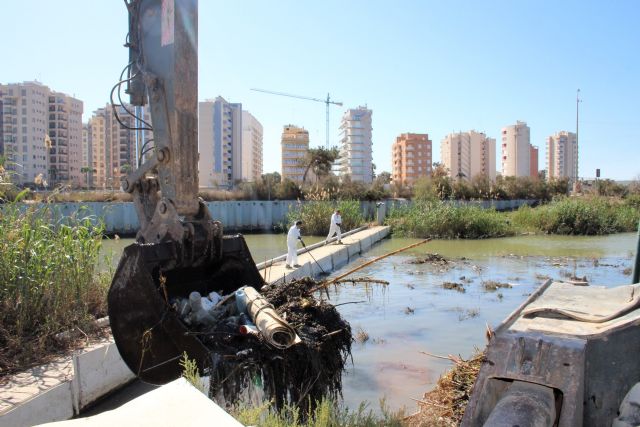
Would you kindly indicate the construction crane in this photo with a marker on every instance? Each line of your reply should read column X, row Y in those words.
column 308, row 98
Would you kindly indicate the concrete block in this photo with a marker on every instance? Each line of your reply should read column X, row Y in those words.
column 55, row 404
column 365, row 243
column 98, row 372
column 340, row 257
column 353, row 249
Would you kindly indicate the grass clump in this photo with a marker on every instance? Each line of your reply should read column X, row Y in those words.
column 440, row 220
column 579, row 216
column 316, row 215
column 327, row 413
column 48, row 282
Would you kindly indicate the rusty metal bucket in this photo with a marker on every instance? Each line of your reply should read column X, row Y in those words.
column 149, row 336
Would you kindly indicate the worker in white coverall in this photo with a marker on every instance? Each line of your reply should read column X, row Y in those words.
column 292, row 242
column 334, row 228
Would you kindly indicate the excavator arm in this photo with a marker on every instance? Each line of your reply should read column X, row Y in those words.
column 179, row 247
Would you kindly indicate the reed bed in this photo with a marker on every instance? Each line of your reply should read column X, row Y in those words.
column 48, row 283
column 316, row 215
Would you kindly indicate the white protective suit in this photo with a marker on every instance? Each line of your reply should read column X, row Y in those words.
column 292, row 242
column 334, row 228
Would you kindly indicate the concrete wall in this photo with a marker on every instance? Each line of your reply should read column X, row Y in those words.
column 96, row 372
column 244, row 216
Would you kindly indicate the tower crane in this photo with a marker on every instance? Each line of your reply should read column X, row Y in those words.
column 308, row 98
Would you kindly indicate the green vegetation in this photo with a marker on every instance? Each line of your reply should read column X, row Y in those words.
column 580, row 216
column 590, row 215
column 316, row 215
column 48, row 282
column 326, row 414
column 444, row 221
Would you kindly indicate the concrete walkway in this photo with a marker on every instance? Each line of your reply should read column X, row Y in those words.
column 62, row 389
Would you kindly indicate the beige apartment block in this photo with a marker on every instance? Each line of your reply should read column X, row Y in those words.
column 251, row 147
column 41, row 134
column 519, row 157
column 115, row 149
column 295, row 145
column 219, row 143
column 562, row 156
column 468, row 154
column 411, row 156
column 356, row 145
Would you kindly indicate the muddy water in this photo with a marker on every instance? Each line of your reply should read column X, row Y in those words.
column 415, row 313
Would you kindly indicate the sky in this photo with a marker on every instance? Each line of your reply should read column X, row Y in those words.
column 427, row 66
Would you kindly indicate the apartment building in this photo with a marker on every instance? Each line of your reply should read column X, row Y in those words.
column 219, row 143
column 562, row 156
column 519, row 157
column 295, row 144
column 41, row 134
column 356, row 146
column 468, row 154
column 114, row 149
column 251, row 147
column 411, row 156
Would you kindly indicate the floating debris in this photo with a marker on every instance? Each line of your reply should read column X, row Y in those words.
column 454, row 286
column 430, row 259
column 409, row 310
column 446, row 403
column 627, row 271
column 491, row 285
column 362, row 336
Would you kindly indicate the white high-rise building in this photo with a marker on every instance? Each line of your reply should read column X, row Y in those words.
column 355, row 158
column 519, row 157
column 467, row 154
column 562, row 156
column 219, row 142
column 251, row 147
column 41, row 134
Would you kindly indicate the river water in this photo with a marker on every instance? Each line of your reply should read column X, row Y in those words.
column 415, row 313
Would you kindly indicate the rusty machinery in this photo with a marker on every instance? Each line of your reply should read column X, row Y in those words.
column 179, row 247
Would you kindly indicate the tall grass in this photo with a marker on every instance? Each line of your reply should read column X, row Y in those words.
column 326, row 414
column 48, row 282
column 436, row 219
column 579, row 216
column 316, row 215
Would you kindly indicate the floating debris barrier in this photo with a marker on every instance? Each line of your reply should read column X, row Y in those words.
column 283, row 343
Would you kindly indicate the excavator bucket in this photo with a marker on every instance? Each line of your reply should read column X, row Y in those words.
column 147, row 331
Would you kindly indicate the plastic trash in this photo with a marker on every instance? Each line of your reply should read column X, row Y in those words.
column 241, row 300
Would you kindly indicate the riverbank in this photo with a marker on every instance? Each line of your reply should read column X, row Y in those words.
column 565, row 216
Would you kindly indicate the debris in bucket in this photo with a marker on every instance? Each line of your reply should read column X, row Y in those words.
column 281, row 341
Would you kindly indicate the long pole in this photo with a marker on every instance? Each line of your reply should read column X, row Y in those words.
column 335, row 279
column 327, row 130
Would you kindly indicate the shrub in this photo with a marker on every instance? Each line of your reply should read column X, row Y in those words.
column 442, row 220
column 49, row 282
column 316, row 215
column 579, row 216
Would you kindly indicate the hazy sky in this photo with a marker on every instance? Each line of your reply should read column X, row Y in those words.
column 422, row 66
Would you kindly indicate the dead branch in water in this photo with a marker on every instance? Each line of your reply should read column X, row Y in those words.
column 362, row 280
column 361, row 266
